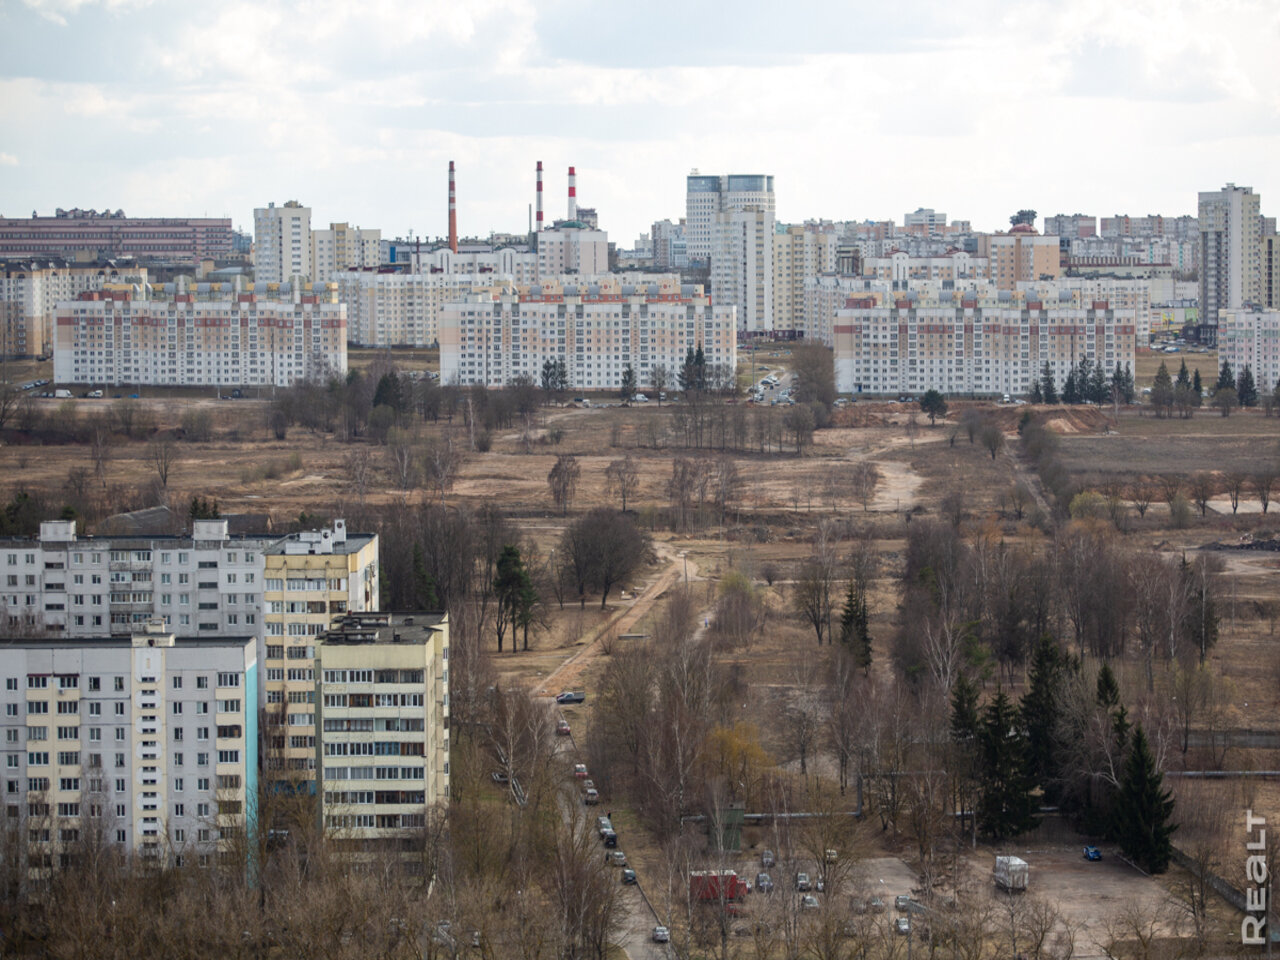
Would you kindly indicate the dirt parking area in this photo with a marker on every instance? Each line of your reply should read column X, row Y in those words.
column 1087, row 894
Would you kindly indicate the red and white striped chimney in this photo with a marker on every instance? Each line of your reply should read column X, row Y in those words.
column 573, row 195
column 453, row 212
column 537, row 225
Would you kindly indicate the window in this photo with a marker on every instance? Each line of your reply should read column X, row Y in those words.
column 228, row 756
column 179, row 810
column 202, row 759
column 95, row 683
column 39, row 759
column 202, row 683
column 202, row 733
column 37, row 706
column 37, row 683
column 177, row 707
column 228, row 679
column 177, row 685
column 11, row 683
column 68, row 683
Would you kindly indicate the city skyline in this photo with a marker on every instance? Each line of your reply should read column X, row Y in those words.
column 979, row 110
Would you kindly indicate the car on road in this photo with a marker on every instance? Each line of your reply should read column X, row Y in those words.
column 628, row 875
column 1092, row 853
column 764, row 883
column 902, row 925
column 617, row 858
column 580, row 771
column 809, row 902
column 610, row 838
column 901, row 902
column 590, row 796
column 640, row 398
column 876, row 905
column 562, row 728
column 661, row 934
column 766, row 858
column 803, row 884
column 571, row 696
column 603, row 824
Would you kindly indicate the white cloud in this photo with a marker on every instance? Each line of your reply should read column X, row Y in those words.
column 8, row 160
column 59, row 11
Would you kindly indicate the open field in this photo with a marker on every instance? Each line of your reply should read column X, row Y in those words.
column 1148, row 362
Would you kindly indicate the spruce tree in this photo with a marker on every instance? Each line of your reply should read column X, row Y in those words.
column 1130, row 388
column 848, row 617
column 1007, row 806
column 964, row 710
column 1143, row 809
column 1046, row 384
column 862, row 635
column 1098, row 384
column 1197, row 388
column 1246, row 388
column 1162, row 390
column 1037, row 396
column 1108, row 691
column 1039, row 708
column 1226, row 378
column 1070, row 389
column 1184, row 376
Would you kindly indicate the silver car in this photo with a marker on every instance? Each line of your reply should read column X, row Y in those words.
column 661, row 934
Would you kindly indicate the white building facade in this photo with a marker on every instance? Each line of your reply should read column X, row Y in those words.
column 598, row 335
column 1230, row 250
column 148, row 745
column 1251, row 337
column 343, row 247
column 282, row 242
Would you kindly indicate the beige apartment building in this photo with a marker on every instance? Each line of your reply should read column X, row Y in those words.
column 403, row 309
column 800, row 251
column 1230, row 250
column 956, row 267
column 343, row 247
column 30, row 291
column 382, row 751
column 1019, row 255
column 310, row 580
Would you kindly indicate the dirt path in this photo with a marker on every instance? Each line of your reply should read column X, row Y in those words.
column 567, row 675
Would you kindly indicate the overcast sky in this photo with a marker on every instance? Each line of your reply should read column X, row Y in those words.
column 859, row 109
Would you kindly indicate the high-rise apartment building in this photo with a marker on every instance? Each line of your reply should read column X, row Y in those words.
column 382, row 742
column 1073, row 225
column 1252, row 338
column 800, row 251
column 89, row 235
column 1019, row 256
column 1230, row 251
column 670, row 246
column 343, row 247
column 310, row 580
column 572, row 247
column 596, row 329
column 742, row 265
column 146, row 744
column 925, row 221
column 970, row 343
column 30, row 291
column 708, row 196
column 403, row 309
column 282, row 242
column 205, row 334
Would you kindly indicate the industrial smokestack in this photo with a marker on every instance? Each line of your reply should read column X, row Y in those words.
column 538, row 220
column 453, row 212
column 573, row 195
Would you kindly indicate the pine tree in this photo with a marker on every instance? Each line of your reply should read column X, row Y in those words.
column 1130, row 388
column 1143, row 809
column 1226, row 378
column 848, row 617
column 1037, row 396
column 1162, row 389
column 1046, row 384
column 862, row 635
column 964, row 710
column 1184, row 376
column 628, row 388
column 1039, row 709
column 1246, row 388
column 1197, row 388
column 1007, row 806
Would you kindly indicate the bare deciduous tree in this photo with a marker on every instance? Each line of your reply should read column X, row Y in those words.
column 1203, row 486
column 563, row 480
column 623, row 478
column 1263, row 481
column 163, row 454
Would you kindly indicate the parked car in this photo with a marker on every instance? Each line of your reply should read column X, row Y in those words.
column 901, row 902
column 809, row 902
column 876, row 905
column 830, row 855
column 1092, row 853
column 590, row 797
column 617, row 859
column 562, row 728
column 803, row 884
column 902, row 925
column 661, row 934
column 610, row 838
column 580, row 771
column 628, row 875
column 603, row 824
column 766, row 858
column 764, row 883
column 570, row 696
column 94, row 394
column 640, row 398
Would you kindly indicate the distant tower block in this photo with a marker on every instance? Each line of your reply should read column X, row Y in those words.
column 573, row 195
column 453, row 212
column 538, row 216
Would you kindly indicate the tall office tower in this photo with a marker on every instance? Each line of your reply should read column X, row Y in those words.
column 281, row 242
column 708, row 196
column 1230, row 258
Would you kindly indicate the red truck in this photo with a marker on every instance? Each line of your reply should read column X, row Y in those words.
column 717, row 886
